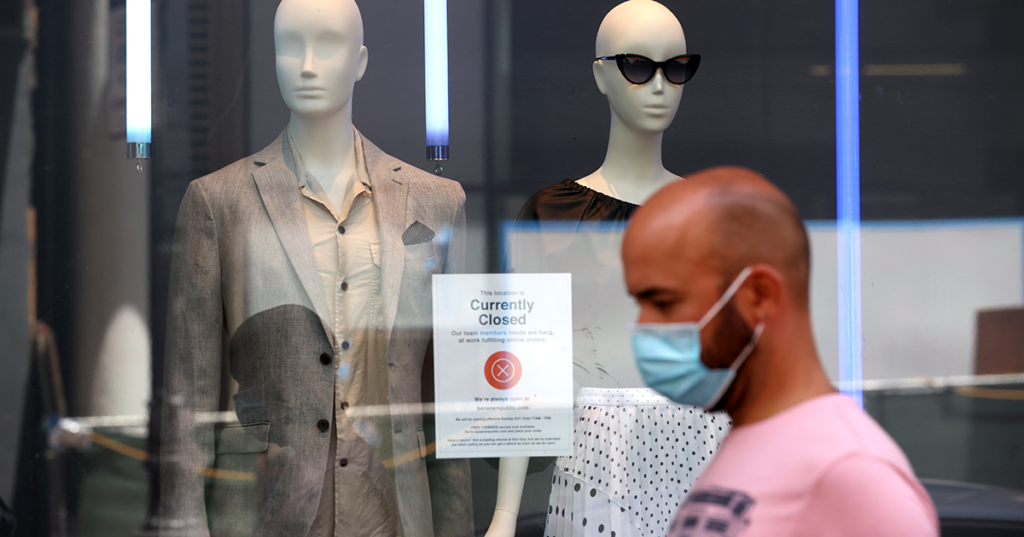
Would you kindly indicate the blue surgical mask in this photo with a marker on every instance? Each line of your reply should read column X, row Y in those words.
column 668, row 355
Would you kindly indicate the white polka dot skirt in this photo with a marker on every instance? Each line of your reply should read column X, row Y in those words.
column 636, row 455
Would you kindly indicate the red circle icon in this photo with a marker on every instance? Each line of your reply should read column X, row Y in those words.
column 503, row 370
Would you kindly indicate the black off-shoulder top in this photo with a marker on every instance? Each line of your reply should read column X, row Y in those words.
column 572, row 201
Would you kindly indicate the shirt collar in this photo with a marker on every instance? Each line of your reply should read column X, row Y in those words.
column 307, row 181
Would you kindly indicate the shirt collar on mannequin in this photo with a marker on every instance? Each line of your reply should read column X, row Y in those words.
column 359, row 184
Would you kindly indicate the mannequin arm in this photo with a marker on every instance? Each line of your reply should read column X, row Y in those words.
column 511, row 477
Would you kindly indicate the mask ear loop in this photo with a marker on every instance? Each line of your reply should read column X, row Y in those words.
column 735, row 367
column 749, row 349
column 725, row 297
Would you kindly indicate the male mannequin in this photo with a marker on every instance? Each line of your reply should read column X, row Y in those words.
column 632, row 171
column 315, row 257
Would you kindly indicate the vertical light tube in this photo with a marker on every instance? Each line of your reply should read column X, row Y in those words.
column 848, row 199
column 435, row 37
column 139, row 106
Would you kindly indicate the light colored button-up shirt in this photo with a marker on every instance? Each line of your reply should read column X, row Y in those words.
column 346, row 245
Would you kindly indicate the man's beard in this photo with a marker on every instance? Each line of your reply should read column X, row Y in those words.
column 729, row 340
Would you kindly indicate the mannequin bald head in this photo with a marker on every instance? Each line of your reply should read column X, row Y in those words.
column 640, row 23
column 339, row 15
column 649, row 29
column 320, row 54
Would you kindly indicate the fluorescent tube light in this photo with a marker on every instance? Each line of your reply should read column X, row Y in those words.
column 848, row 199
column 139, row 107
column 435, row 37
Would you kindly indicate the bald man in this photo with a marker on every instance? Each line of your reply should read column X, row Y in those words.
column 719, row 264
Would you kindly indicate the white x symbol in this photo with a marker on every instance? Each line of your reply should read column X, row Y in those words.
column 503, row 371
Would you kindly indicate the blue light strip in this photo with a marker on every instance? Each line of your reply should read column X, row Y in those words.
column 139, row 90
column 435, row 41
column 848, row 199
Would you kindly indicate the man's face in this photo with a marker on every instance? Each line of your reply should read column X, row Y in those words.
column 675, row 281
column 319, row 54
column 666, row 274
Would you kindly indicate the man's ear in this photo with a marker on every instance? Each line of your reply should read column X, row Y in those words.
column 766, row 288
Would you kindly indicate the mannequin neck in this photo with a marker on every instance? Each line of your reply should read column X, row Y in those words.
column 632, row 169
column 326, row 146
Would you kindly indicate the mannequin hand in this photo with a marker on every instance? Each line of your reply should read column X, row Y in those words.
column 502, row 525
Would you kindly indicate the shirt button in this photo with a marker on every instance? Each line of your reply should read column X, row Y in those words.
column 343, row 463
column 341, row 229
column 325, row 359
column 345, row 345
column 344, row 405
column 323, row 425
column 344, row 286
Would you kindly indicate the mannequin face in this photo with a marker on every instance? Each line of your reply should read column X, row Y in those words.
column 320, row 54
column 649, row 29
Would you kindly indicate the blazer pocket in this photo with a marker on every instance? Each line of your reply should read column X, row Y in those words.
column 251, row 438
column 423, row 250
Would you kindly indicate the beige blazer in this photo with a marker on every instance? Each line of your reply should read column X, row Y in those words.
column 243, row 265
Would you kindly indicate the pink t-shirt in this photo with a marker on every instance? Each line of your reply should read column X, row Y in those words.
column 822, row 468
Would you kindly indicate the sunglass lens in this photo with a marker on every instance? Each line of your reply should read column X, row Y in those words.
column 680, row 70
column 637, row 69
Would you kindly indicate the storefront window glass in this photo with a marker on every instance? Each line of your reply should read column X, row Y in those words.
column 239, row 329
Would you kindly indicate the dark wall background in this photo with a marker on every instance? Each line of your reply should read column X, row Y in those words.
column 949, row 146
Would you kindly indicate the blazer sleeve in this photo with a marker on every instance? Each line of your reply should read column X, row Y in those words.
column 455, row 256
column 192, row 365
column 451, row 496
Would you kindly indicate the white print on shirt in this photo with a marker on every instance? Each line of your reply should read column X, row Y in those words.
column 714, row 512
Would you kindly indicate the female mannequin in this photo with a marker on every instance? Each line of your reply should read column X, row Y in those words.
column 602, row 486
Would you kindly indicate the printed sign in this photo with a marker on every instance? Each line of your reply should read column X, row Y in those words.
column 503, row 365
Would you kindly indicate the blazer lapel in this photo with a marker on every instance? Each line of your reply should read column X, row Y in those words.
column 279, row 188
column 389, row 198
